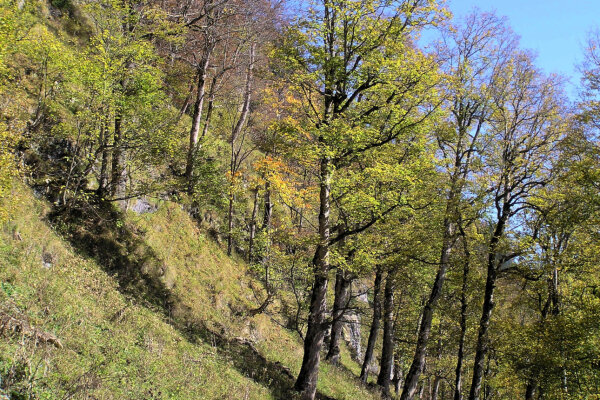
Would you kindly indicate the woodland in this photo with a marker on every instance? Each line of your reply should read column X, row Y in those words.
column 421, row 214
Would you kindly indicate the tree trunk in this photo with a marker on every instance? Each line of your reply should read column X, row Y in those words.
column 210, row 107
column 104, row 161
column 530, row 390
column 237, row 129
column 252, row 226
column 230, row 221
column 555, row 296
column 552, row 305
column 374, row 332
column 416, row 369
column 196, row 120
column 267, row 216
column 488, row 391
column 268, row 211
column 387, row 351
column 245, row 109
column 463, row 324
column 340, row 304
column 186, row 102
column 484, row 323
column 488, row 306
column 436, row 388
column 306, row 383
column 398, row 374
column 116, row 176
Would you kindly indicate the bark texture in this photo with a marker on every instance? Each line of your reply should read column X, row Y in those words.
column 306, row 383
column 488, row 305
column 387, row 351
column 196, row 121
column 416, row 368
column 340, row 306
column 235, row 133
column 249, row 257
column 117, row 168
column 463, row 323
column 375, row 324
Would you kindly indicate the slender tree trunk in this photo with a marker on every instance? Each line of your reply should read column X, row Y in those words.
column 268, row 211
column 555, row 312
column 387, row 351
column 104, row 161
column 373, row 333
column 340, row 303
column 306, row 383
column 437, row 380
column 436, row 388
column 266, row 255
column 245, row 109
column 532, row 382
column 398, row 374
column 552, row 305
column 416, row 369
column 554, row 292
column 484, row 323
column 267, row 216
column 116, row 185
column 210, row 107
column 196, row 120
column 488, row 392
column 463, row 324
column 237, row 129
column 186, row 102
column 230, row 222
column 565, row 387
column 488, row 306
column 253, row 226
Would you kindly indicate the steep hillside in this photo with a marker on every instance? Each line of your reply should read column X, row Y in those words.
column 136, row 307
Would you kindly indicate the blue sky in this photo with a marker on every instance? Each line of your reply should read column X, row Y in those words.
column 555, row 29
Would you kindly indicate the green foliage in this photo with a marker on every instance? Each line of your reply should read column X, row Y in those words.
column 15, row 23
column 95, row 106
column 62, row 4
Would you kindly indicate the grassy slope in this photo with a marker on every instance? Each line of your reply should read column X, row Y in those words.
column 193, row 343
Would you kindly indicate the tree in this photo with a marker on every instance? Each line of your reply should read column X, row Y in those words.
column 387, row 352
column 375, row 323
column 526, row 127
column 475, row 54
column 114, row 111
column 16, row 24
column 237, row 157
column 362, row 85
column 216, row 36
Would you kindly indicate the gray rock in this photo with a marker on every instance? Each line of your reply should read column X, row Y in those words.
column 352, row 335
column 47, row 260
column 142, row 206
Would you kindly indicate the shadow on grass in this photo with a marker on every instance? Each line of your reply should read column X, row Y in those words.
column 97, row 230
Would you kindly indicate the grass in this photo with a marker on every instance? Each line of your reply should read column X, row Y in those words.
column 145, row 306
